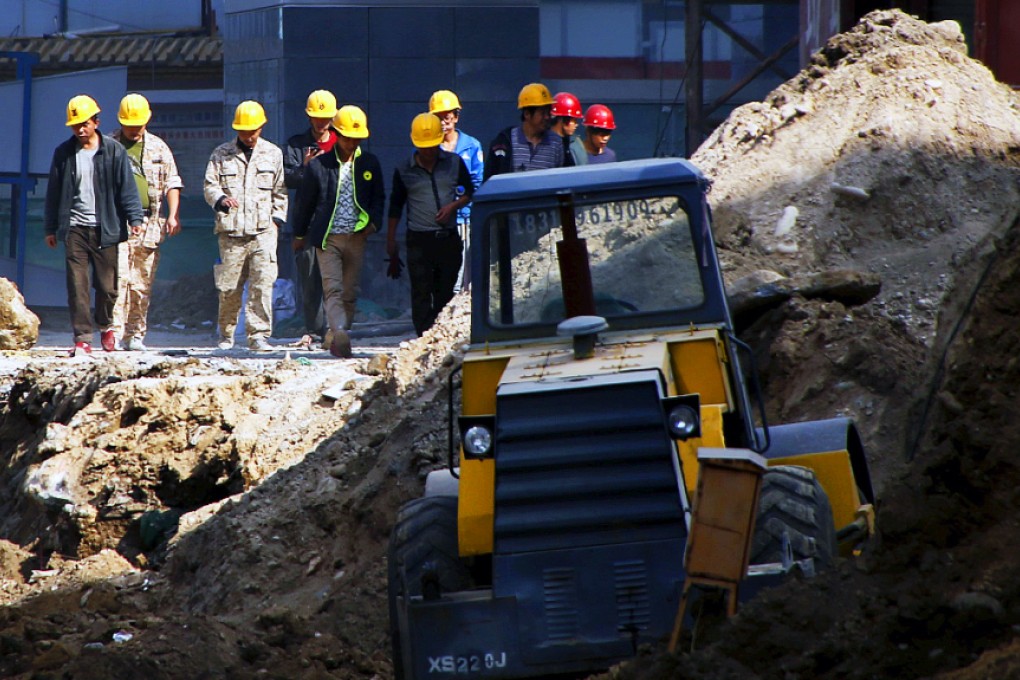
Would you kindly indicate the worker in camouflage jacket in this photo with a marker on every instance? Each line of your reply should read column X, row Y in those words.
column 244, row 183
column 156, row 176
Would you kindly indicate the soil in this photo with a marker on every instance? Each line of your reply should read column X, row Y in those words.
column 181, row 513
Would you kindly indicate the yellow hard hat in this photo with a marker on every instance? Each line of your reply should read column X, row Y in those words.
column 134, row 110
column 321, row 104
column 534, row 94
column 350, row 121
column 80, row 109
column 426, row 130
column 443, row 100
column 249, row 115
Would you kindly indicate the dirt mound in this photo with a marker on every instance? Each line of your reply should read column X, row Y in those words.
column 874, row 158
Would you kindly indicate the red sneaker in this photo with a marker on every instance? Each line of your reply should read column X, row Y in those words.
column 80, row 347
column 109, row 340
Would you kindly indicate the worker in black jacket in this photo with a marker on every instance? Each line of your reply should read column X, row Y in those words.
column 91, row 200
column 339, row 203
column 318, row 138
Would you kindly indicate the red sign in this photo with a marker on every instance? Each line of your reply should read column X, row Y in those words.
column 996, row 26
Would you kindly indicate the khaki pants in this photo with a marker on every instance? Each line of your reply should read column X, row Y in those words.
column 251, row 260
column 136, row 267
column 340, row 265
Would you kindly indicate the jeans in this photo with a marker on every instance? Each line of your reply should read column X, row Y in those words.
column 310, row 284
column 89, row 265
column 433, row 264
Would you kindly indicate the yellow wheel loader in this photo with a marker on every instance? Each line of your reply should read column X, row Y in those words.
column 602, row 361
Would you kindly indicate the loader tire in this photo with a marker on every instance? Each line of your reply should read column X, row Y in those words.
column 792, row 502
column 423, row 547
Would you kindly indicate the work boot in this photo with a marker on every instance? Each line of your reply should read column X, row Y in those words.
column 341, row 345
column 108, row 340
column 225, row 343
column 259, row 345
column 136, row 345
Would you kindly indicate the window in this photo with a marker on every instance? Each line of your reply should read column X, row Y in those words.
column 639, row 251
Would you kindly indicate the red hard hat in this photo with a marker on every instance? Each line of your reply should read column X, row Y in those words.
column 599, row 116
column 566, row 104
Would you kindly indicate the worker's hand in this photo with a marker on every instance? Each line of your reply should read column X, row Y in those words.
column 172, row 226
column 446, row 214
column 136, row 229
column 226, row 203
column 51, row 240
column 297, row 244
column 396, row 266
column 310, row 153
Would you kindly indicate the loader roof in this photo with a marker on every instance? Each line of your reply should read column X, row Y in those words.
column 646, row 172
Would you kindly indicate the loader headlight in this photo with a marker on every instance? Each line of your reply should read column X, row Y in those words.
column 682, row 416
column 476, row 435
column 478, row 441
column 683, row 422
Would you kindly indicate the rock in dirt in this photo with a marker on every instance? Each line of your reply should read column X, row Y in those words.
column 19, row 326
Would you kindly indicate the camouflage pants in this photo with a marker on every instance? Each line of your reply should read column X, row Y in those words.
column 251, row 260
column 136, row 270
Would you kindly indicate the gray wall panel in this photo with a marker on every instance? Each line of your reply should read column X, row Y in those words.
column 409, row 80
column 496, row 32
column 494, row 80
column 405, row 32
column 325, row 31
column 251, row 36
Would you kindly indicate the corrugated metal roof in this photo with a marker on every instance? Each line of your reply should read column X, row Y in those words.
column 95, row 51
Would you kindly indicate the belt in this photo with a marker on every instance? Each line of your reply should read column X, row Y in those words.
column 147, row 212
column 433, row 233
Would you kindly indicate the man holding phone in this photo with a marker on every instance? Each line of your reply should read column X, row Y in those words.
column 301, row 148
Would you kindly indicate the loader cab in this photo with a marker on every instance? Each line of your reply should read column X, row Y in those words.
column 647, row 241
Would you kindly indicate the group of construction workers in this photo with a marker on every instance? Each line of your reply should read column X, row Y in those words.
column 105, row 197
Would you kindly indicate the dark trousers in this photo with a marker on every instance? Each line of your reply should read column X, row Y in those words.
column 310, row 287
column 433, row 264
column 89, row 265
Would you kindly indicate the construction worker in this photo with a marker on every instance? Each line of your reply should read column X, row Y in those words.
column 91, row 202
column 566, row 115
column 156, row 177
column 301, row 148
column 530, row 145
column 434, row 184
column 598, row 128
column 245, row 187
column 446, row 105
column 339, row 203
